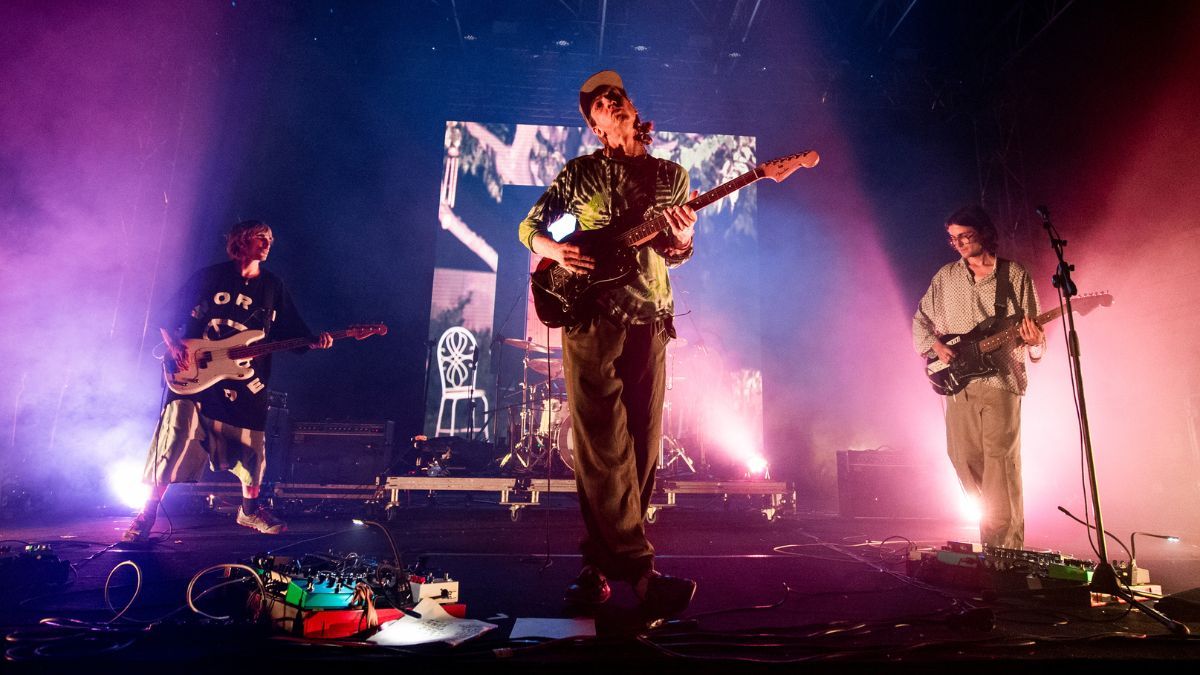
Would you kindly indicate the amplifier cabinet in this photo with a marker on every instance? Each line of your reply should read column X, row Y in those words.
column 339, row 453
column 885, row 484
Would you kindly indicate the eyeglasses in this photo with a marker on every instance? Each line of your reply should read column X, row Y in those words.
column 964, row 238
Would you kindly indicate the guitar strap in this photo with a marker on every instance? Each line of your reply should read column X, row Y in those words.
column 1003, row 289
column 269, row 304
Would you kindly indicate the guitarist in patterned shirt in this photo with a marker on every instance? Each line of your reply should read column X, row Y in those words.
column 983, row 421
column 223, row 425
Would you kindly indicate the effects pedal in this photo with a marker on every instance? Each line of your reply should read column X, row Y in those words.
column 441, row 589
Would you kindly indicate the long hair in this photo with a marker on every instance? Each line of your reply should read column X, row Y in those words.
column 975, row 217
column 241, row 234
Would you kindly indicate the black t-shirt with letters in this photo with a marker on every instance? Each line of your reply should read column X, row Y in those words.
column 216, row 303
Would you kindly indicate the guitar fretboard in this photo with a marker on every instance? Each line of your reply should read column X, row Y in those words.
column 659, row 223
column 1082, row 304
column 256, row 350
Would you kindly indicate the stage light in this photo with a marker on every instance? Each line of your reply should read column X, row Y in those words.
column 641, row 48
column 563, row 43
column 562, row 227
column 970, row 509
column 125, row 483
column 756, row 466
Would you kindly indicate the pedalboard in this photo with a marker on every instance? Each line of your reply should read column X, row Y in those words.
column 321, row 596
column 969, row 565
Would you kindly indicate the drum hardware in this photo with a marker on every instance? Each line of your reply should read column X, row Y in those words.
column 542, row 431
column 673, row 459
column 529, row 345
column 548, row 366
column 542, row 409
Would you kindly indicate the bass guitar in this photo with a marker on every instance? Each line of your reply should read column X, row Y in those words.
column 973, row 351
column 229, row 359
column 562, row 298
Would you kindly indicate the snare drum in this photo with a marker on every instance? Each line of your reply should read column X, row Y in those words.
column 548, row 414
column 564, row 440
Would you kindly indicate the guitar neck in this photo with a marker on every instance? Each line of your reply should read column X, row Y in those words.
column 256, row 350
column 1008, row 334
column 659, row 223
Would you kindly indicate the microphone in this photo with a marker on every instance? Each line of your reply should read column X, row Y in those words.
column 475, row 358
column 1043, row 213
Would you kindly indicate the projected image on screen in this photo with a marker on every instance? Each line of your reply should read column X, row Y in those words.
column 495, row 370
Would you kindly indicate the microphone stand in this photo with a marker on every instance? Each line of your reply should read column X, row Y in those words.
column 1104, row 577
column 425, row 401
column 497, row 358
column 471, row 395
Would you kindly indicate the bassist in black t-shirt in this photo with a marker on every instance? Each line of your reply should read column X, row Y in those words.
column 223, row 425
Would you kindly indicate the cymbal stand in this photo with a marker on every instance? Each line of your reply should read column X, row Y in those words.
column 518, row 453
column 670, row 450
column 534, row 444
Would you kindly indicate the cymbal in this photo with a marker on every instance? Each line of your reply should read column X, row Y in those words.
column 551, row 367
column 528, row 345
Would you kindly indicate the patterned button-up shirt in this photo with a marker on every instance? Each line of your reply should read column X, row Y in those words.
column 599, row 191
column 956, row 302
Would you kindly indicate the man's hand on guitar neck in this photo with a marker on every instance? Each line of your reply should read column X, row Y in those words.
column 323, row 341
column 682, row 221
column 1034, row 337
column 568, row 255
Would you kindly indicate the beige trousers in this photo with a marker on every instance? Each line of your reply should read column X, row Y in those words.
column 983, row 439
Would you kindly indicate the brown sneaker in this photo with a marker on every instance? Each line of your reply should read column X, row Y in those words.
column 139, row 529
column 589, row 588
column 262, row 520
column 667, row 596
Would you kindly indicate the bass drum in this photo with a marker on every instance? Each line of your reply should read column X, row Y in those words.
column 564, row 439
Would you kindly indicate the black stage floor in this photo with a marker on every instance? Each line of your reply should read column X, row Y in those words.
column 806, row 587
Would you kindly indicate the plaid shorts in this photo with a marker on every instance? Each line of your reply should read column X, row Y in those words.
column 186, row 441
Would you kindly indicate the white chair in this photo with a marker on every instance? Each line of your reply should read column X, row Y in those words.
column 457, row 357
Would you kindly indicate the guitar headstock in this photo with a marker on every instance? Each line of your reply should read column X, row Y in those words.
column 778, row 169
column 363, row 331
column 1086, row 303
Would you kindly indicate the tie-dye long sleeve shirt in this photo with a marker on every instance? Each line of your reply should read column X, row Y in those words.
column 600, row 191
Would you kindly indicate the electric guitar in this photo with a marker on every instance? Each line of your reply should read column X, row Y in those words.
column 229, row 359
column 562, row 298
column 973, row 351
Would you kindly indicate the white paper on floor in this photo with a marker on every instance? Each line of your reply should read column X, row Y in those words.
column 435, row 625
column 553, row 628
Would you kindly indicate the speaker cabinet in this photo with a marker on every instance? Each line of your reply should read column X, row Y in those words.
column 339, row 453
column 885, row 484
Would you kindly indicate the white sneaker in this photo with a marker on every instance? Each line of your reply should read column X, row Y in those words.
column 139, row 530
column 262, row 520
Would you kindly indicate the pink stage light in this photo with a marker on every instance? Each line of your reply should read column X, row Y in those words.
column 756, row 466
column 125, row 483
column 970, row 509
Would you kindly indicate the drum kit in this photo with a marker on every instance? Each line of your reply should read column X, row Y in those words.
column 541, row 440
